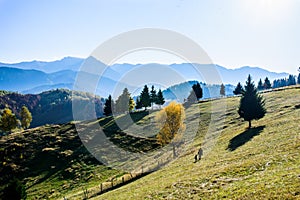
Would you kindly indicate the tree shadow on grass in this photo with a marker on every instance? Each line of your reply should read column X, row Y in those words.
column 244, row 137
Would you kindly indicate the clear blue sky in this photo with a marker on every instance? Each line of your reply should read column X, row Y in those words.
column 234, row 33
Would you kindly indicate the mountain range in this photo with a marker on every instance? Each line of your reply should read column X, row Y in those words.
column 38, row 76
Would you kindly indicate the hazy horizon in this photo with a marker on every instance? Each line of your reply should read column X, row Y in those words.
column 260, row 33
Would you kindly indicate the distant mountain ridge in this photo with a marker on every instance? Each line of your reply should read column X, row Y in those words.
column 38, row 76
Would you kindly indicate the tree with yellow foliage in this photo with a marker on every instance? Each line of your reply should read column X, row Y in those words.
column 170, row 120
column 8, row 121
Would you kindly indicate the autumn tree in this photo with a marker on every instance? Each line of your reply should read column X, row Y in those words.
column 170, row 120
column 8, row 120
column 252, row 105
column 109, row 106
column 131, row 104
column 239, row 89
column 160, row 100
column 26, row 117
column 222, row 90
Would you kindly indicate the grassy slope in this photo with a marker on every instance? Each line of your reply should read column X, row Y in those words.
column 52, row 161
column 244, row 164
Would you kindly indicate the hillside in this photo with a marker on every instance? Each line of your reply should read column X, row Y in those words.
column 259, row 163
column 244, row 164
column 50, row 107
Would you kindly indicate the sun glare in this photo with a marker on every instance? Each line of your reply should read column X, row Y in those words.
column 261, row 11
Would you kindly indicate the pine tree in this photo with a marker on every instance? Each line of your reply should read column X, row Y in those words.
column 153, row 96
column 26, row 117
column 108, row 106
column 160, row 100
column 251, row 103
column 171, row 124
column 291, row 80
column 239, row 89
column 8, row 121
column 267, row 84
column 222, row 90
column 260, row 85
column 198, row 91
column 145, row 97
column 138, row 104
column 122, row 103
column 298, row 80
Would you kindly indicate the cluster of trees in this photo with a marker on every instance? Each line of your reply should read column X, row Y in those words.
column 147, row 98
column 125, row 102
column 264, row 86
column 291, row 80
column 260, row 86
column 9, row 121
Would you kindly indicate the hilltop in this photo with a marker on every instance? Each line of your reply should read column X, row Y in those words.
column 259, row 163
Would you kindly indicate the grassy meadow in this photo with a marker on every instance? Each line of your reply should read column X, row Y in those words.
column 238, row 163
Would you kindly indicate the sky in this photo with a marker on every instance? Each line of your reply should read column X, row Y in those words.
column 234, row 33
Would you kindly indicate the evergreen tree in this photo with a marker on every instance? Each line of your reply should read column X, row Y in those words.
column 198, row 91
column 153, row 96
column 145, row 97
column 160, row 100
column 260, row 85
column 267, row 84
column 8, row 121
column 108, row 106
column 291, row 80
column 239, row 89
column 122, row 103
column 26, row 117
column 222, row 90
column 251, row 103
column 138, row 104
column 298, row 80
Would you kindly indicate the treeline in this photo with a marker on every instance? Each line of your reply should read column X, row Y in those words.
column 277, row 83
column 125, row 102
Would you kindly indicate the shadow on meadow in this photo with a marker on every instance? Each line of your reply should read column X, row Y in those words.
column 244, row 137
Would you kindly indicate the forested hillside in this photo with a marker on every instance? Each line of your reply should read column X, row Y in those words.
column 50, row 107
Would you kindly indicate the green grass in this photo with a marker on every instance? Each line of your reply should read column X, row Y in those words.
column 262, row 163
